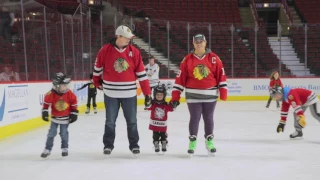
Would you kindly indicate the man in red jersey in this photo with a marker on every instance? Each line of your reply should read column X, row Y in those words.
column 64, row 110
column 119, row 64
column 300, row 99
column 202, row 75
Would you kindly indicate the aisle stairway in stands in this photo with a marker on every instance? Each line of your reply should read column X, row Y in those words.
column 288, row 56
column 155, row 53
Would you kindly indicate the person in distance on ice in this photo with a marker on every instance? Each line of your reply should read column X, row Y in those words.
column 300, row 99
column 202, row 75
column 159, row 114
column 274, row 81
column 92, row 93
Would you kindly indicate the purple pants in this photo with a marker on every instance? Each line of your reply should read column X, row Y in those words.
column 206, row 109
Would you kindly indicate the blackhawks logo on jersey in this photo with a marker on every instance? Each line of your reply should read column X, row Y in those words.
column 120, row 65
column 201, row 71
column 61, row 105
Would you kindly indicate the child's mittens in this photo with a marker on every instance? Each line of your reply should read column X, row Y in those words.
column 45, row 115
column 73, row 116
column 281, row 126
column 174, row 104
column 301, row 121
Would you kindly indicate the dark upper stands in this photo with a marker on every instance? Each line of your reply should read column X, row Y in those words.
column 309, row 10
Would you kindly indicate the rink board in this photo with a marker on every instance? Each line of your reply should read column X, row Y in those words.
column 20, row 103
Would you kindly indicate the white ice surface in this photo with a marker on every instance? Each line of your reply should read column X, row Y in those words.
column 248, row 148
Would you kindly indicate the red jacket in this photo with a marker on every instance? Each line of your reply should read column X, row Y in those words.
column 201, row 77
column 296, row 97
column 159, row 115
column 119, row 70
column 274, row 83
column 61, row 105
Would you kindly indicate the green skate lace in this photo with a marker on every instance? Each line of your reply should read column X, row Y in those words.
column 209, row 144
column 192, row 145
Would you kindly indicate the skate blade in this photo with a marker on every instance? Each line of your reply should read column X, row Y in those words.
column 211, row 154
column 135, row 156
column 296, row 138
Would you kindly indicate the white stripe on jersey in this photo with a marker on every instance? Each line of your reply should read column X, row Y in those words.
column 60, row 120
column 120, row 89
column 202, row 91
column 200, row 100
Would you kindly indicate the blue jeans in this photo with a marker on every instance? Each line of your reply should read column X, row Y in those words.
column 53, row 132
column 129, row 107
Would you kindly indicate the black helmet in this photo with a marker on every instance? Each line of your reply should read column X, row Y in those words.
column 60, row 78
column 161, row 88
column 275, row 90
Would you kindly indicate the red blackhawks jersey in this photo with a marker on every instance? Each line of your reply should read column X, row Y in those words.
column 296, row 97
column 61, row 105
column 203, row 78
column 120, row 68
column 159, row 115
column 275, row 82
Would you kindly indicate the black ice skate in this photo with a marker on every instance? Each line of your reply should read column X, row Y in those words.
column 64, row 152
column 107, row 151
column 95, row 110
column 164, row 146
column 296, row 135
column 136, row 152
column 45, row 153
column 156, row 146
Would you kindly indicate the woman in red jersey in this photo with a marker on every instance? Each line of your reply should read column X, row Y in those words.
column 203, row 77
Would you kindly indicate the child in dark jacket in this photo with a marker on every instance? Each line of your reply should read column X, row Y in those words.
column 92, row 93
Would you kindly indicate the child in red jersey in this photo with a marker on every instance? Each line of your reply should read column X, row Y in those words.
column 300, row 99
column 274, row 81
column 159, row 113
column 64, row 110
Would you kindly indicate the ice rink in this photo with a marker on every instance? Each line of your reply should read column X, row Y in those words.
column 248, row 148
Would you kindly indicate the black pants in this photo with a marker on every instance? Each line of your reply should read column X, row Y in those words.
column 269, row 101
column 159, row 136
column 93, row 101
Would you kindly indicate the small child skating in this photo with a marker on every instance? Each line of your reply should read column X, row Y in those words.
column 92, row 93
column 274, row 81
column 300, row 99
column 159, row 113
column 64, row 111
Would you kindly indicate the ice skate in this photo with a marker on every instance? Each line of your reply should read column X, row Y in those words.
column 87, row 111
column 136, row 152
column 209, row 145
column 156, row 146
column 164, row 146
column 296, row 135
column 95, row 110
column 64, row 152
column 107, row 151
column 45, row 153
column 192, row 145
